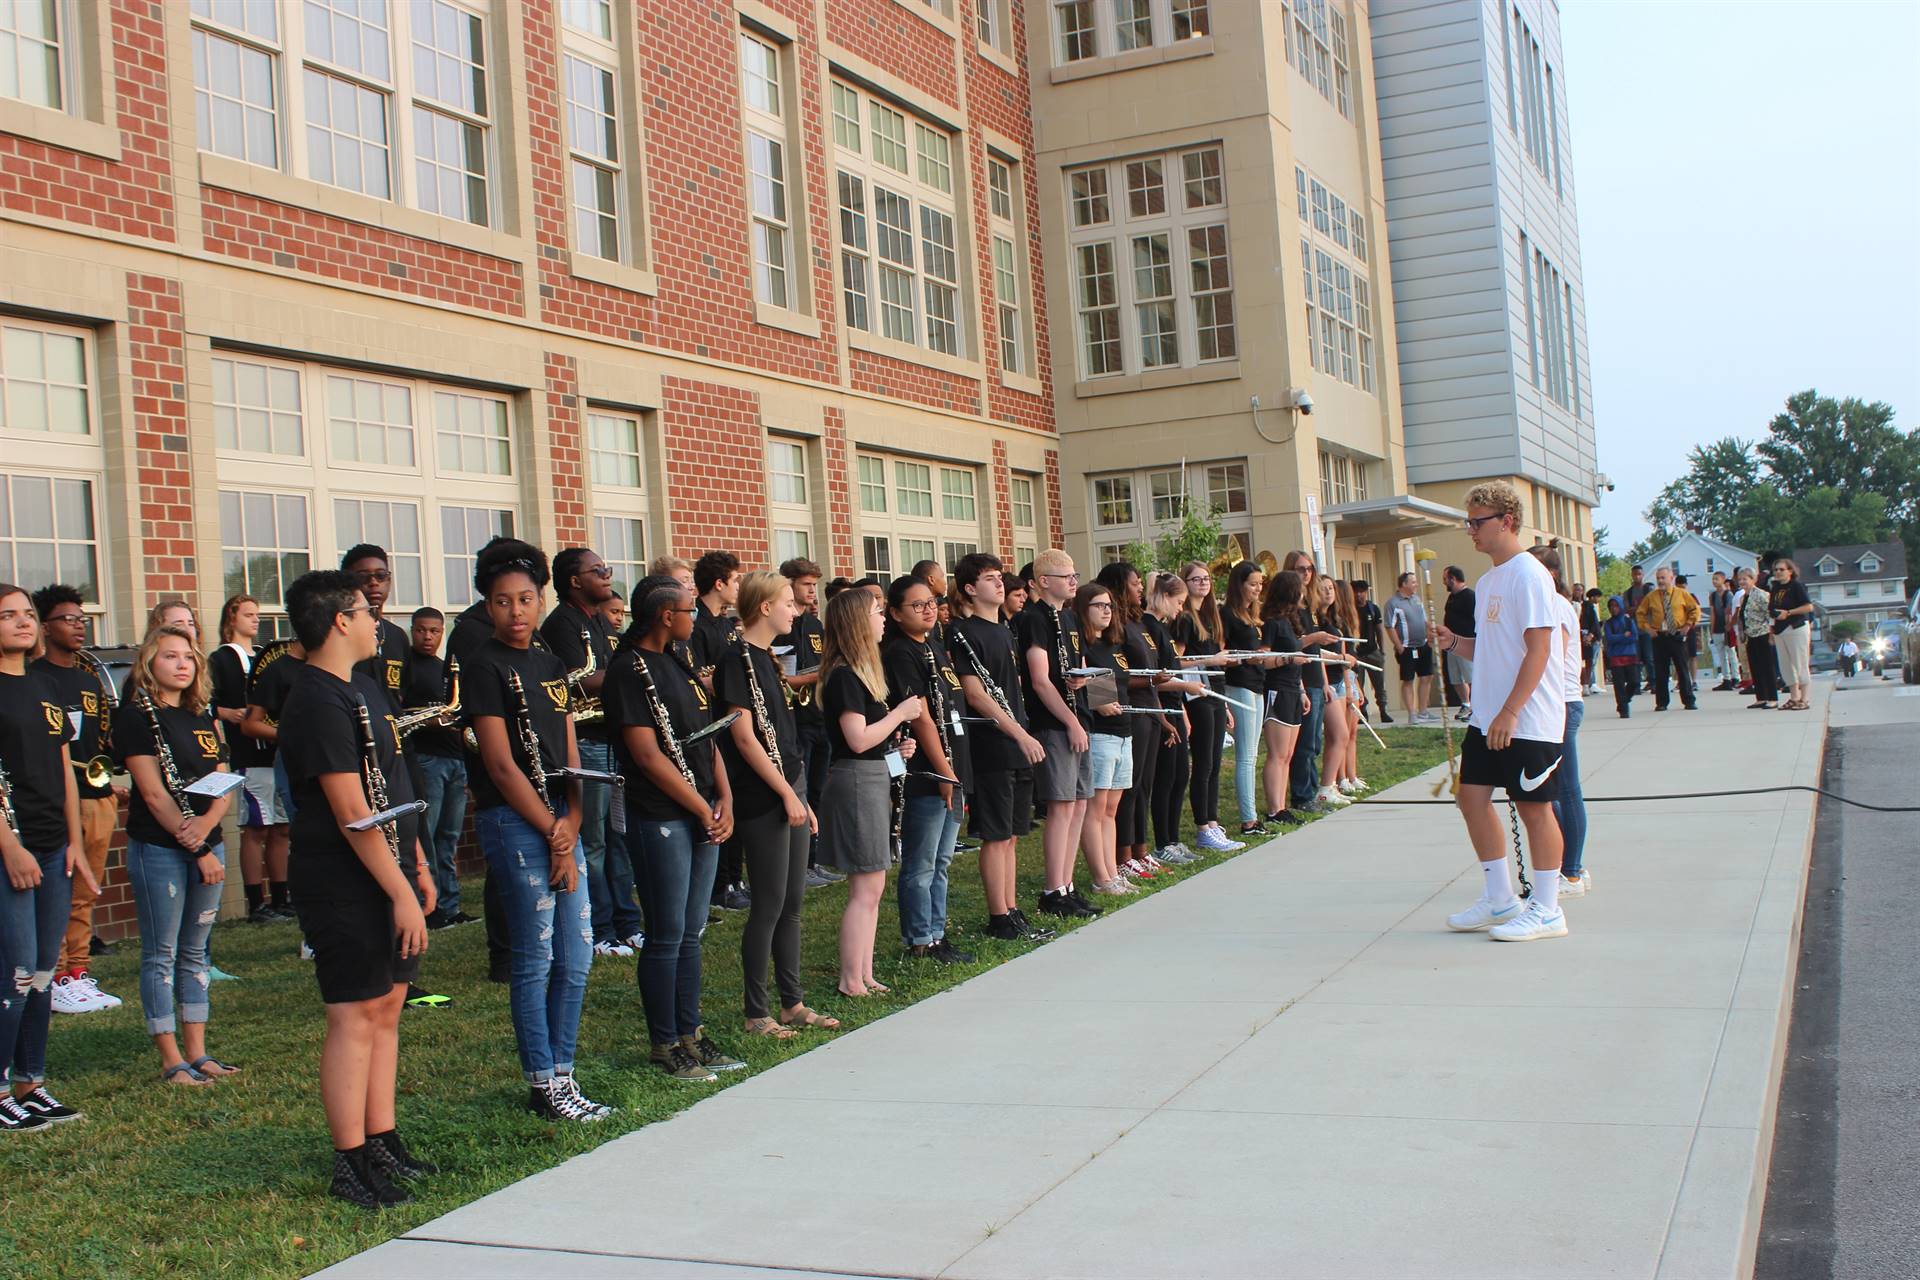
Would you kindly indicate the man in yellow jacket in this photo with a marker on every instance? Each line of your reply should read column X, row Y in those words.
column 1668, row 615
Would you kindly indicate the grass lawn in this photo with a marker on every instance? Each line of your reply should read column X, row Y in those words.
column 229, row 1180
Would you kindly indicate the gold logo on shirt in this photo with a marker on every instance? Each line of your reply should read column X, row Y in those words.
column 209, row 745
column 1493, row 609
column 556, row 693
column 89, row 703
column 953, row 681
column 699, row 691
column 56, row 719
column 393, row 673
column 814, row 640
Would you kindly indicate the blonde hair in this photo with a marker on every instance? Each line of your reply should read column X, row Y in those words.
column 158, row 614
column 848, row 641
column 1052, row 561
column 757, row 590
column 667, row 566
column 197, row 694
column 1497, row 496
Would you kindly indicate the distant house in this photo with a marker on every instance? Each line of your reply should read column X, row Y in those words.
column 1699, row 558
column 1866, row 581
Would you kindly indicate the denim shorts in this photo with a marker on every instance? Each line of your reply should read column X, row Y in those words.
column 1112, row 761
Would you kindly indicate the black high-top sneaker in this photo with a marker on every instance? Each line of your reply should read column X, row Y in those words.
column 387, row 1153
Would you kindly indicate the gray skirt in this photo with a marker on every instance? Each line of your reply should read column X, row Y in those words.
column 856, row 816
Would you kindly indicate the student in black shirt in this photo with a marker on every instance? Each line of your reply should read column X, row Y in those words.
column 716, row 635
column 1166, row 600
column 528, row 818
column 442, row 760
column 263, row 824
column 372, row 573
column 679, row 809
column 1372, row 645
column 1131, row 850
column 1196, row 635
column 1049, row 640
column 1247, row 681
column 1287, row 699
column 806, row 639
column 271, row 678
column 917, row 666
column 870, row 750
column 42, row 851
column 772, row 822
column 1457, row 613
column 166, row 736
column 1003, row 752
column 582, row 581
column 355, row 891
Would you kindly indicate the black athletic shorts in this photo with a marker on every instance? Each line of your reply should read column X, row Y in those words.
column 1528, row 770
column 355, row 956
column 1416, row 660
column 1283, row 705
column 1000, row 806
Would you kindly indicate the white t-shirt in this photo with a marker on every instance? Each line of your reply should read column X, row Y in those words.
column 1509, row 600
column 1570, row 651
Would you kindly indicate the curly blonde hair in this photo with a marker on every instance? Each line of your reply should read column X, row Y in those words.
column 1497, row 496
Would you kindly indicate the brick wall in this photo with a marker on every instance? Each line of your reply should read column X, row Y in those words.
column 1055, row 536
column 838, row 455
column 566, row 446
column 1002, row 481
column 716, row 470
column 156, row 348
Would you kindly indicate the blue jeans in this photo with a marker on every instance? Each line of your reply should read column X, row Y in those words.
column 928, row 830
column 1305, row 781
column 1571, row 807
column 676, row 868
column 283, row 782
column 176, row 913
column 1249, row 709
column 550, row 935
column 32, row 923
column 609, row 873
column 446, row 797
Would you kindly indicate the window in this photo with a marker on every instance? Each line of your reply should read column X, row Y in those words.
column 1086, row 29
column 991, row 24
column 1829, row 567
column 1506, row 58
column 622, row 543
column 1226, row 487
column 1020, row 489
column 876, row 558
column 370, row 422
column 264, row 544
column 1006, row 292
column 1552, row 301
column 790, row 498
column 913, row 487
column 766, row 170
column 913, row 531
column 1316, row 34
column 1132, row 24
column 43, row 381
column 1000, row 188
column 32, row 60
column 450, row 112
column 1342, row 478
column 873, row 484
column 1118, row 520
column 1191, row 19
column 1850, row 590
column 348, row 80
column 613, row 450
column 1005, row 222
column 393, row 525
column 1177, row 288
column 1869, row 564
column 256, row 408
column 463, row 531
column 472, row 434
column 1539, row 115
column 1333, row 265
column 235, row 96
column 956, row 495
column 48, row 532
column 1073, row 22
column 593, row 162
column 899, row 242
column 1113, row 501
column 1168, row 491
column 592, row 17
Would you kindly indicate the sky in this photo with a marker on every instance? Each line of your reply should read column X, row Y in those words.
column 1748, row 178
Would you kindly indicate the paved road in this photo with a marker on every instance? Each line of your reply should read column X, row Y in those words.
column 1845, row 1180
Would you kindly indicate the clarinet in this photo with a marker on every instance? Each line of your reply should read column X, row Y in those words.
column 762, row 722
column 529, row 740
column 374, row 780
column 981, row 674
column 6, row 802
column 1066, row 664
column 169, row 771
column 662, row 720
column 937, row 702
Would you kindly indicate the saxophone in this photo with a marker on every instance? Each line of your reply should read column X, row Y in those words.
column 530, row 740
column 169, row 771
column 663, row 723
column 583, row 705
column 99, row 769
column 762, row 722
column 374, row 780
column 443, row 714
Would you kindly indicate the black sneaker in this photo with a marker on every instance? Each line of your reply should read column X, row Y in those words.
column 709, row 1055
column 1385, row 718
column 15, row 1118
column 41, row 1103
column 1082, row 907
column 348, row 1183
column 1254, row 829
column 1031, row 931
column 461, row 917
column 735, row 898
column 1055, row 903
column 676, row 1061
column 99, row 946
column 1005, row 928
column 946, row 953
column 571, row 1086
column 390, row 1156
column 554, row 1100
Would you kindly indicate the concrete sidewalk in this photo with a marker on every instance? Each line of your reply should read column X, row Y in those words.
column 1283, row 1067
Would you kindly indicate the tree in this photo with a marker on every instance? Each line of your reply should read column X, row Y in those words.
column 1844, row 629
column 1616, row 575
column 1196, row 537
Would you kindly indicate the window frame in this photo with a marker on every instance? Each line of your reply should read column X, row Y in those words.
column 772, row 127
column 1334, row 239
column 1101, row 38
column 789, row 516
column 1316, row 41
column 903, row 528
column 1202, row 485
column 611, row 55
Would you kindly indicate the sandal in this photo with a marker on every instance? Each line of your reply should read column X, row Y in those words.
column 220, row 1068
column 193, row 1076
column 801, row 1016
column 769, row 1028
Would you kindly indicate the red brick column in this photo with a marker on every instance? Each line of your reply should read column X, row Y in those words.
column 156, row 348
column 838, row 478
column 566, row 447
column 1055, row 535
column 1002, row 482
column 716, row 483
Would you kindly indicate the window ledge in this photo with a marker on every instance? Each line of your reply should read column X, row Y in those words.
column 860, row 340
column 1154, row 379
column 998, row 58
column 270, row 184
column 1021, row 382
column 932, row 17
column 615, row 274
column 781, row 318
column 1132, row 59
column 59, row 129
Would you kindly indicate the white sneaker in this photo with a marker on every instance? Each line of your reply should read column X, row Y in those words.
column 306, row 952
column 1483, row 915
column 1232, row 845
column 612, row 949
column 107, row 1000
column 1531, row 925
column 1331, row 796
column 1574, row 886
column 637, row 941
column 70, row 995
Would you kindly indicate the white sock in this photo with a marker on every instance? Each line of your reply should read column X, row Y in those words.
column 1499, row 882
column 1546, row 889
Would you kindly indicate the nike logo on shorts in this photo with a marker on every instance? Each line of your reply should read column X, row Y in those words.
column 1530, row 783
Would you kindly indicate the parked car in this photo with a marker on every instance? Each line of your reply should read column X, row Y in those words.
column 1883, row 648
column 1910, row 644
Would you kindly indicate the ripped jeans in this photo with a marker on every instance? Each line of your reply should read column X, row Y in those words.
column 32, row 923
column 550, row 936
column 176, row 913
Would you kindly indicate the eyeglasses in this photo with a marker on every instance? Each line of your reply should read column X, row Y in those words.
column 1065, row 577
column 599, row 571
column 678, row 610
column 922, row 606
column 76, row 619
column 358, row 608
column 1100, row 604
column 373, row 575
column 1199, row 578
column 1474, row 522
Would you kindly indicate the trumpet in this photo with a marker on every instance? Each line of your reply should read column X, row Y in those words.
column 583, row 705
column 98, row 771
column 444, row 714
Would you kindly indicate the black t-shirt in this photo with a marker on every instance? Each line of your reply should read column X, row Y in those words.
column 1186, row 634
column 426, row 686
column 275, row 672
column 923, row 669
column 989, row 643
column 1277, row 634
column 197, row 751
column 1113, row 658
column 471, row 629
column 231, row 675
column 688, row 708
column 1136, row 654
column 485, row 690
column 1369, row 629
column 715, row 636
column 78, row 692
column 1314, row 674
column 561, row 631
column 1240, row 637
column 808, row 638
column 323, row 865
column 1057, row 632
column 33, row 725
column 752, row 797
column 1790, row 595
column 1166, row 656
column 388, row 665
column 843, row 691
column 1457, row 613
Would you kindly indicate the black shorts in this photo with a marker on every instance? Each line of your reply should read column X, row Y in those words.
column 1000, row 806
column 355, row 956
column 1416, row 660
column 1283, row 705
column 1526, row 760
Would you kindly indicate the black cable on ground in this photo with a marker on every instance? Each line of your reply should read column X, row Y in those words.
column 1702, row 795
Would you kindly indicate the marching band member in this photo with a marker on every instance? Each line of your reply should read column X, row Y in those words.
column 1110, row 731
column 263, row 822
column 1196, row 635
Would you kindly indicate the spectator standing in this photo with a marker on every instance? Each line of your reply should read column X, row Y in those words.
column 1719, row 610
column 1370, row 647
column 1406, row 627
column 1620, row 640
column 1792, row 609
column 1670, row 613
column 1631, row 599
column 1756, row 630
column 1457, row 614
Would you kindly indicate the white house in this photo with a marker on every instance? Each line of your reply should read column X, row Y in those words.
column 1863, row 581
column 1699, row 557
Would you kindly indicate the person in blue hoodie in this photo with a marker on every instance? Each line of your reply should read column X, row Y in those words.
column 1621, row 636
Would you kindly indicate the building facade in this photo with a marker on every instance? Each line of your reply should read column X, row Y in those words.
column 1483, row 237
column 1697, row 558
column 278, row 276
column 1864, row 582
column 1216, row 259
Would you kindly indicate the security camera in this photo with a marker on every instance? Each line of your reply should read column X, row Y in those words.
column 1303, row 402
column 1605, row 481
